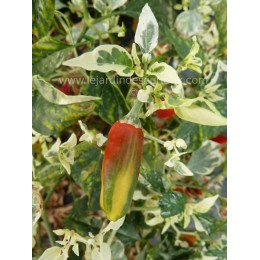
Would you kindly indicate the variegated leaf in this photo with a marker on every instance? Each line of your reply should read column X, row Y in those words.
column 105, row 58
column 53, row 111
column 164, row 72
column 204, row 160
column 200, row 115
column 146, row 35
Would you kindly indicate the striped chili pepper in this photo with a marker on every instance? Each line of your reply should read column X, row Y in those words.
column 121, row 165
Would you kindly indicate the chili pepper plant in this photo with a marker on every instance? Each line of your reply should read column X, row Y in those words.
column 129, row 129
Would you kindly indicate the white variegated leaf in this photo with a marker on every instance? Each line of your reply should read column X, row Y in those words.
column 146, row 35
column 55, row 96
column 204, row 160
column 105, row 251
column 205, row 205
column 75, row 249
column 96, row 255
column 70, row 143
column 198, row 225
column 164, row 72
column 189, row 23
column 114, row 225
column 145, row 95
column 52, row 152
column 105, row 58
column 200, row 115
column 51, row 253
column 182, row 169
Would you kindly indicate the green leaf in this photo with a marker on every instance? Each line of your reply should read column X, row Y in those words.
column 47, row 174
column 221, row 22
column 86, row 171
column 57, row 97
column 194, row 134
column 172, row 203
column 105, row 58
column 164, row 72
column 146, row 35
column 204, row 160
column 152, row 168
column 118, row 251
column 81, row 219
column 200, row 115
column 189, row 23
column 207, row 221
column 42, row 17
column 128, row 233
column 182, row 46
column 53, row 111
column 48, row 54
column 113, row 106
column 80, row 208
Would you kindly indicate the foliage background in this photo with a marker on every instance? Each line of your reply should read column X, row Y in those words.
column 72, row 201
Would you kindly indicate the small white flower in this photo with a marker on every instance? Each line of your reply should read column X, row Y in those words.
column 169, row 145
column 101, row 139
column 180, row 143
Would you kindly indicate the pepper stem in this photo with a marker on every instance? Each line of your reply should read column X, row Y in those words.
column 133, row 116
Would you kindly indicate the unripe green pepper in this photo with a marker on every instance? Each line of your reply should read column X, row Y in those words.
column 120, row 168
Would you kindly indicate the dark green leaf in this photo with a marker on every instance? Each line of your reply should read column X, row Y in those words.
column 172, row 203
column 128, row 233
column 194, row 134
column 80, row 208
column 152, row 168
column 48, row 54
column 86, row 172
column 42, row 16
column 80, row 227
column 113, row 106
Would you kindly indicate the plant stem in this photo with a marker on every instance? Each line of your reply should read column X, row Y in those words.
column 133, row 116
column 148, row 136
column 44, row 213
column 49, row 194
column 111, row 237
column 48, row 227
